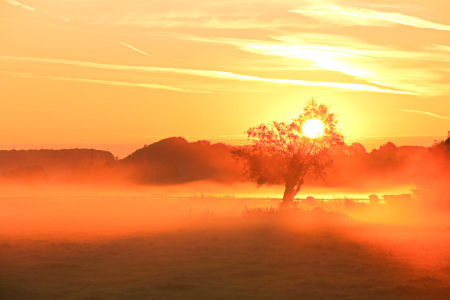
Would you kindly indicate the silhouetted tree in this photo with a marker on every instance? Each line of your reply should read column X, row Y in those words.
column 432, row 186
column 282, row 154
column 357, row 149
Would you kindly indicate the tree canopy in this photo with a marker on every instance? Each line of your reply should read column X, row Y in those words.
column 281, row 153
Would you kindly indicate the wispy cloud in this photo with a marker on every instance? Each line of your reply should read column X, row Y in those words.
column 17, row 3
column 439, row 48
column 108, row 82
column 63, row 18
column 225, row 15
column 366, row 17
column 135, row 49
column 417, row 71
column 424, row 113
column 213, row 74
column 359, row 64
column 378, row 65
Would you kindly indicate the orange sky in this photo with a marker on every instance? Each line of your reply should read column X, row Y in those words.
column 116, row 75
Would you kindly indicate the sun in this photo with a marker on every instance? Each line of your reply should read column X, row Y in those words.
column 312, row 128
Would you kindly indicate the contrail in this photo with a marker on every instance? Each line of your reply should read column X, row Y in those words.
column 131, row 47
column 109, row 82
column 424, row 113
column 364, row 16
column 211, row 74
column 20, row 4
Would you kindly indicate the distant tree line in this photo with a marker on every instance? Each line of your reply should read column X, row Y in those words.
column 175, row 160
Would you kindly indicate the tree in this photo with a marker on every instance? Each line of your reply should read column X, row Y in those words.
column 432, row 184
column 284, row 153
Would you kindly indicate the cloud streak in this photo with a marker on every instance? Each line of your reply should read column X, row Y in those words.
column 424, row 113
column 366, row 17
column 108, row 82
column 217, row 15
column 135, row 49
column 16, row 3
column 379, row 65
column 441, row 48
column 212, row 74
column 414, row 71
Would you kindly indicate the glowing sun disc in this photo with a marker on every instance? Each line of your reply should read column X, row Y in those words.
column 312, row 128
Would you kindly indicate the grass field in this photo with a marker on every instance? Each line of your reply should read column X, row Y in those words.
column 218, row 257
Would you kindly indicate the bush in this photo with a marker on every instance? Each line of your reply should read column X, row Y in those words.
column 258, row 212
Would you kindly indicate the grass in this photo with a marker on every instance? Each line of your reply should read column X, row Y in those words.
column 224, row 258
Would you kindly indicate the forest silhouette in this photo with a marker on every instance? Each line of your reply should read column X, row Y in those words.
column 175, row 160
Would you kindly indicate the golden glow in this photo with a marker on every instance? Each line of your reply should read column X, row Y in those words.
column 130, row 91
column 312, row 128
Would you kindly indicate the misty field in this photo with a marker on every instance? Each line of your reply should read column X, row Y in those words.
column 80, row 251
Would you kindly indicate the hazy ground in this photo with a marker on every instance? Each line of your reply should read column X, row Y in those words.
column 140, row 248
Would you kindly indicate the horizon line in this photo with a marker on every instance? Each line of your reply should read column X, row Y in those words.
column 107, row 146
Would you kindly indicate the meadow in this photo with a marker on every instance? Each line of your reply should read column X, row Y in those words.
column 208, row 249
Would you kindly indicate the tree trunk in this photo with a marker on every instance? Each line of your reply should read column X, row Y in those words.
column 292, row 187
column 289, row 194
